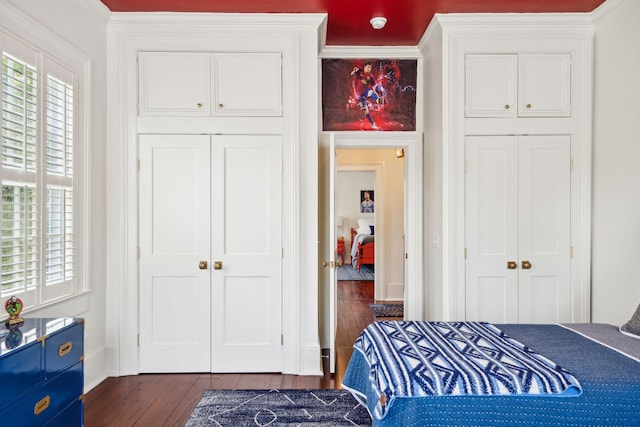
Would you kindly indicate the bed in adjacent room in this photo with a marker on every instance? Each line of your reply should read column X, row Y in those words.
column 477, row 374
column 363, row 244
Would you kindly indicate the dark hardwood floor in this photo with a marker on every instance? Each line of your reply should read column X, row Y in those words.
column 168, row 399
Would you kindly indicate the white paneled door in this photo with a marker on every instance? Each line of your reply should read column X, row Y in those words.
column 210, row 253
column 518, row 241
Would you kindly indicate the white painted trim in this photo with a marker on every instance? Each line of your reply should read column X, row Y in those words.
column 292, row 35
column 397, row 52
column 606, row 9
column 508, row 33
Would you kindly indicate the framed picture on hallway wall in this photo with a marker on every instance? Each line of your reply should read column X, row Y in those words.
column 369, row 94
column 367, row 204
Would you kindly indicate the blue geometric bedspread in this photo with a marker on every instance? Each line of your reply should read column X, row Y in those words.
column 455, row 359
column 609, row 380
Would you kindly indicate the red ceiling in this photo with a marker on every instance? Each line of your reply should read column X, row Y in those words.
column 348, row 20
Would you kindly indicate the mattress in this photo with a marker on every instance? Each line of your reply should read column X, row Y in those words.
column 609, row 378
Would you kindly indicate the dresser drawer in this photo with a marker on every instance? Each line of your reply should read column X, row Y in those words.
column 71, row 416
column 63, row 349
column 40, row 405
column 19, row 373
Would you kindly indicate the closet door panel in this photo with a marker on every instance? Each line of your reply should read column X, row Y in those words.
column 174, row 238
column 544, row 228
column 491, row 228
column 246, row 303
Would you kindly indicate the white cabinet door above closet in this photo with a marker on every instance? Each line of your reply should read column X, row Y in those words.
column 202, row 84
column 174, row 84
column 517, row 225
column 247, row 84
column 518, row 85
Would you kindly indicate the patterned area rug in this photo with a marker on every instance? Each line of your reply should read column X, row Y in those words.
column 347, row 272
column 278, row 408
column 387, row 310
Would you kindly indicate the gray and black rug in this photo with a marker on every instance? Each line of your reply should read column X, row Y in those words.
column 387, row 310
column 278, row 408
column 347, row 272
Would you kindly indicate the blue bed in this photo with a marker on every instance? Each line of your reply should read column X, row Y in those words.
column 609, row 382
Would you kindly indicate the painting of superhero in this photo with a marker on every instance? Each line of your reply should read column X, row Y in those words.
column 369, row 94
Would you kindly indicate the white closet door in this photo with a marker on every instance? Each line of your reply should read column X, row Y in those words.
column 247, row 240
column 175, row 331
column 491, row 228
column 517, row 197
column 544, row 229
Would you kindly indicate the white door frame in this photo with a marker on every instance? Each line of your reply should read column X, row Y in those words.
column 413, row 209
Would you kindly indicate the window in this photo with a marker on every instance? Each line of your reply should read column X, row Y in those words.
column 39, row 220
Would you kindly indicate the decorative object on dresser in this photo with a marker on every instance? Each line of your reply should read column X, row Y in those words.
column 14, row 306
column 42, row 373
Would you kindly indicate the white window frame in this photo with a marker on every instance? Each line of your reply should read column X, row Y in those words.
column 54, row 58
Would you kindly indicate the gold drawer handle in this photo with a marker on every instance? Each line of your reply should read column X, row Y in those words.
column 42, row 405
column 65, row 349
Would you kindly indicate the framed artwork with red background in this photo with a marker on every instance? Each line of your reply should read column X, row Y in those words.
column 369, row 94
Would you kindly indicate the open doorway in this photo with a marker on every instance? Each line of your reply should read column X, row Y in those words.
column 410, row 221
column 370, row 204
column 370, row 227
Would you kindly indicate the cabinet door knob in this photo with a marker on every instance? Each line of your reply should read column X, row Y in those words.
column 203, row 265
column 217, row 265
column 220, row 105
column 506, row 107
column 199, row 104
column 512, row 265
column 526, row 265
column 528, row 105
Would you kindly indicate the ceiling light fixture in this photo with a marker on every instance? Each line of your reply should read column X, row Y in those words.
column 378, row 22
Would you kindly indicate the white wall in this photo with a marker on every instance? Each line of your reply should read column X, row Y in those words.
column 616, row 157
column 81, row 24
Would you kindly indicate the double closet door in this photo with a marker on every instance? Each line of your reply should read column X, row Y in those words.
column 518, row 223
column 210, row 253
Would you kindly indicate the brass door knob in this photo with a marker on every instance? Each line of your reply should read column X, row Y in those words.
column 202, row 265
column 506, row 107
column 512, row 265
column 526, row 265
column 528, row 105
column 217, row 265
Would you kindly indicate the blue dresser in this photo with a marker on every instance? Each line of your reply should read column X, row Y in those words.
column 42, row 373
